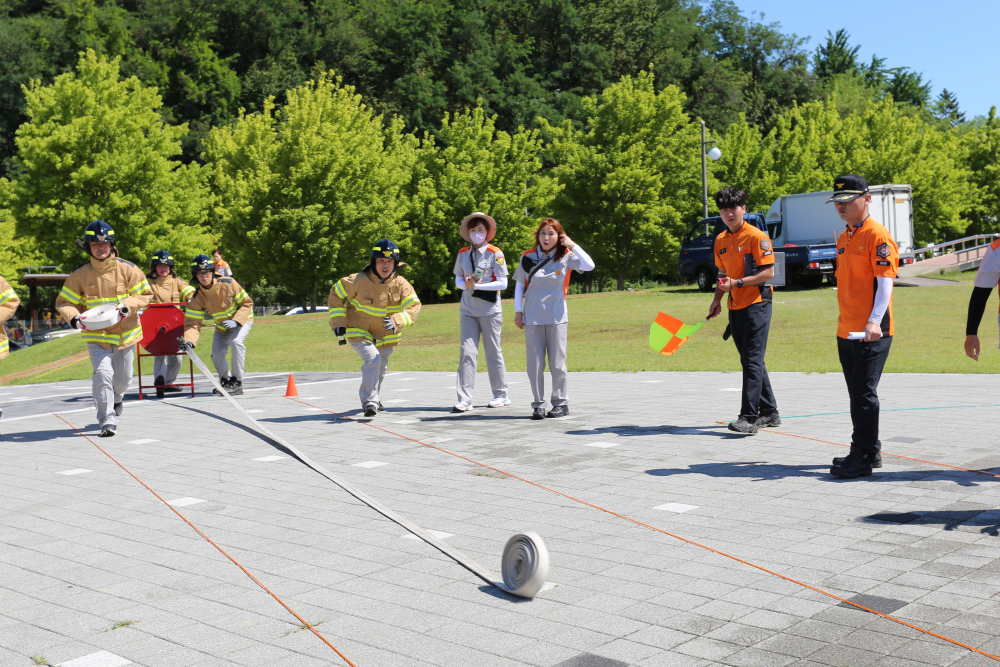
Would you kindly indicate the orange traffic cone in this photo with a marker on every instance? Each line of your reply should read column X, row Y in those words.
column 291, row 390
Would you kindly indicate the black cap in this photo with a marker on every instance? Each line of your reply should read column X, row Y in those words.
column 848, row 188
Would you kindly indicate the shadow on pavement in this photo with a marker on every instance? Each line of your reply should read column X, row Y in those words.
column 755, row 470
column 988, row 519
column 243, row 427
column 633, row 431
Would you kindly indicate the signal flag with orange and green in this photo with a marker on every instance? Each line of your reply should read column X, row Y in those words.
column 667, row 333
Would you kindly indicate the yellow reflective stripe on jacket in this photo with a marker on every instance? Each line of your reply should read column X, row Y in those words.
column 187, row 292
column 120, row 340
column 4, row 346
column 70, row 295
column 140, row 288
column 388, row 340
column 7, row 296
column 339, row 289
column 409, row 301
column 362, row 333
column 407, row 320
column 338, row 312
column 369, row 310
column 195, row 314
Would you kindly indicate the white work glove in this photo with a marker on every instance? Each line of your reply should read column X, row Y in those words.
column 230, row 324
column 389, row 326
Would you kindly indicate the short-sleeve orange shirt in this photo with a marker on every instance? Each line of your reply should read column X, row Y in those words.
column 730, row 251
column 863, row 255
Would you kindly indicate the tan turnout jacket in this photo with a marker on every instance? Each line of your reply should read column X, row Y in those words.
column 224, row 300
column 360, row 301
column 169, row 289
column 8, row 304
column 98, row 282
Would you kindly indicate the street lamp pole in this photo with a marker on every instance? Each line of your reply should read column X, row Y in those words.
column 716, row 154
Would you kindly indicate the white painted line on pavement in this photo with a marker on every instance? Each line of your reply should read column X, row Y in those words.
column 370, row 464
column 254, row 411
column 306, row 384
column 268, row 459
column 548, row 586
column 648, row 382
column 142, row 441
column 403, row 390
column 602, row 445
column 311, row 409
column 431, row 441
column 676, row 507
column 184, row 502
column 397, row 400
column 436, row 533
column 406, row 421
column 99, row 659
column 74, row 471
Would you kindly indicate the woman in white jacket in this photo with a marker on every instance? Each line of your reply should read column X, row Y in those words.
column 542, row 278
column 481, row 274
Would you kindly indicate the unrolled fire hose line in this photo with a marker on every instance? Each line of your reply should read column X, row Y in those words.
column 525, row 562
column 669, row 534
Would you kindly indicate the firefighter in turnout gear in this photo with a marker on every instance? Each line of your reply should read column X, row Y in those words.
column 106, row 280
column 167, row 288
column 8, row 305
column 370, row 309
column 226, row 303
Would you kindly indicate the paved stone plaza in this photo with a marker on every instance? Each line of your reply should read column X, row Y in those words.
column 84, row 547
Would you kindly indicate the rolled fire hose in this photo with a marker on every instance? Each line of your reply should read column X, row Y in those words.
column 525, row 562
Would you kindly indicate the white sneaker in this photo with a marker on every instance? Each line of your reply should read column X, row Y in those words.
column 499, row 403
column 462, row 407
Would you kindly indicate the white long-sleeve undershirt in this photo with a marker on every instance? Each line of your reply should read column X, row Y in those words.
column 586, row 264
column 882, row 295
column 498, row 285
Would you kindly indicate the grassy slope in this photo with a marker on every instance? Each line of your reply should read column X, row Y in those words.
column 608, row 332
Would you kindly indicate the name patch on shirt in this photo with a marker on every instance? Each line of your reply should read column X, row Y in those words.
column 841, row 251
column 722, row 251
column 882, row 263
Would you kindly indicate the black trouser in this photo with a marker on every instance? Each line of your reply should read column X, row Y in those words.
column 749, row 328
column 863, row 363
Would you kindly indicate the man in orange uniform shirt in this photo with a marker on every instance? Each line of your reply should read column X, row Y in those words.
column 746, row 261
column 867, row 260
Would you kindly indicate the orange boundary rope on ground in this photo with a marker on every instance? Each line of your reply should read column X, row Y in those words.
column 664, row 532
column 235, row 562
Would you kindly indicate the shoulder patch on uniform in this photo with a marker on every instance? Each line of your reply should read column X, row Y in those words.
column 528, row 252
column 493, row 248
column 765, row 244
column 995, row 245
column 464, row 249
column 498, row 258
column 882, row 250
column 124, row 261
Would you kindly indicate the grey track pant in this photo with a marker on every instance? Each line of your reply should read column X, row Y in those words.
column 489, row 328
column 540, row 339
column 233, row 338
column 112, row 376
column 376, row 360
column 167, row 368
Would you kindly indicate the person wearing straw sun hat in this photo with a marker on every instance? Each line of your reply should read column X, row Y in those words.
column 481, row 274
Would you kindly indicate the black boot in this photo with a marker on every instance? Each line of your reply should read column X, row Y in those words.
column 856, row 464
column 875, row 458
column 538, row 413
column 371, row 410
column 159, row 382
column 558, row 411
column 224, row 383
column 235, row 387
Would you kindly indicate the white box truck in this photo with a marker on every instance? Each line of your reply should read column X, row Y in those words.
column 806, row 228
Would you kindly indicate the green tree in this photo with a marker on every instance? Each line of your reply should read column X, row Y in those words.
column 305, row 190
column 631, row 177
column 908, row 87
column 96, row 148
column 946, row 108
column 475, row 168
column 836, row 56
column 747, row 163
column 982, row 146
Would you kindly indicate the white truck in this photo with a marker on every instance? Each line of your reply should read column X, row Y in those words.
column 806, row 228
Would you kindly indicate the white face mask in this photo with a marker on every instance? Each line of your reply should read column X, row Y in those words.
column 477, row 237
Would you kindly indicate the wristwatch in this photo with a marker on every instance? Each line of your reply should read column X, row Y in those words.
column 739, row 282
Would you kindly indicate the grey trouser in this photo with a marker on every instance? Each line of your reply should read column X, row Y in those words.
column 489, row 327
column 167, row 368
column 540, row 339
column 376, row 360
column 112, row 376
column 232, row 338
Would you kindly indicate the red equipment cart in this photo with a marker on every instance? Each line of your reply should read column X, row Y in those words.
column 162, row 325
